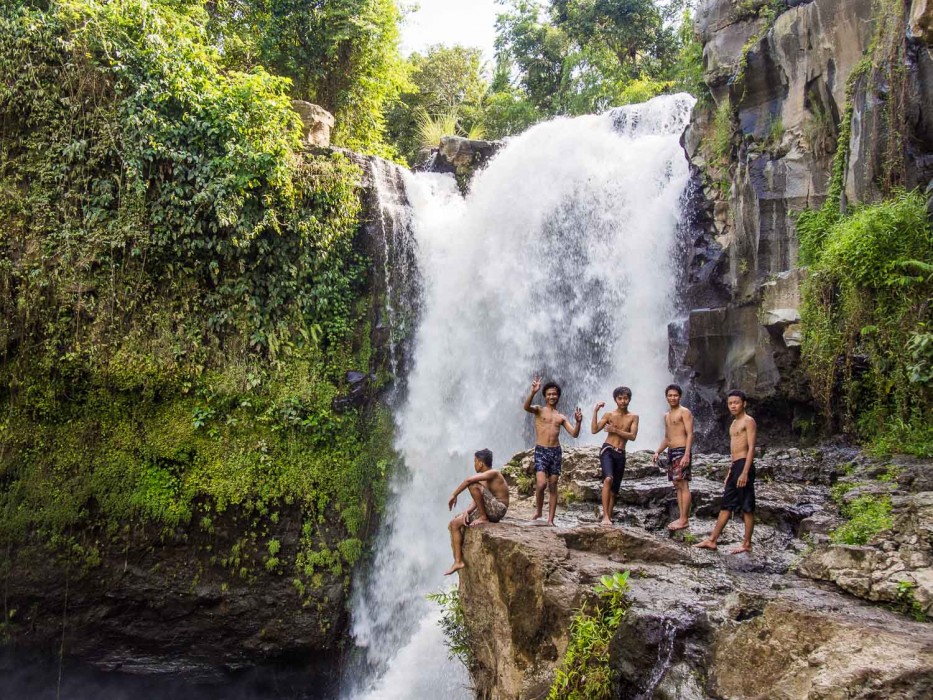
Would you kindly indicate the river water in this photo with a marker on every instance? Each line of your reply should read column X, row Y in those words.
column 558, row 262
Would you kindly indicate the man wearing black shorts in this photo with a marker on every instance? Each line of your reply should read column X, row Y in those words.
column 620, row 426
column 739, row 494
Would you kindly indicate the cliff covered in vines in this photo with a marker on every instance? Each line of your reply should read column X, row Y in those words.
column 181, row 298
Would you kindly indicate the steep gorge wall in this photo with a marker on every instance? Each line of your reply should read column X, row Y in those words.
column 780, row 76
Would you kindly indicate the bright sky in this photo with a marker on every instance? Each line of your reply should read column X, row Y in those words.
column 449, row 22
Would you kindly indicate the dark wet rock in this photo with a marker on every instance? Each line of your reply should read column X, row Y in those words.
column 784, row 79
column 178, row 604
column 358, row 392
column 462, row 157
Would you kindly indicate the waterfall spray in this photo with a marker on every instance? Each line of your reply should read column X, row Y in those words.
column 559, row 263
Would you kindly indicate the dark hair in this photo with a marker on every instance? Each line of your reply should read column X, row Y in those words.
column 551, row 385
column 675, row 387
column 484, row 456
column 740, row 394
column 621, row 391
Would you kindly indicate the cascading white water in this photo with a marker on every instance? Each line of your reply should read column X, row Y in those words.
column 559, row 263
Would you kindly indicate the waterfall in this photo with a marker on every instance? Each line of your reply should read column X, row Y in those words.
column 394, row 247
column 669, row 631
column 556, row 263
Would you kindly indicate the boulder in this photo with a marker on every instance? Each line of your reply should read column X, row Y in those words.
column 896, row 568
column 316, row 123
column 788, row 653
column 920, row 22
column 462, row 157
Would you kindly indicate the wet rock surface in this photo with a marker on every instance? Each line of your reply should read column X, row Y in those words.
column 706, row 624
column 186, row 606
column 462, row 157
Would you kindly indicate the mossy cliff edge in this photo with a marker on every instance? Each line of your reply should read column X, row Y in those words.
column 189, row 360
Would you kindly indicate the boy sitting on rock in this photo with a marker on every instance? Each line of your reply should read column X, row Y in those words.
column 490, row 495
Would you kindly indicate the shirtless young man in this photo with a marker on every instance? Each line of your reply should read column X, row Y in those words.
column 547, row 444
column 739, row 494
column 490, row 502
column 621, row 427
column 678, row 439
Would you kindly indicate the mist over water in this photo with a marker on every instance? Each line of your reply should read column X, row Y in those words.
column 558, row 263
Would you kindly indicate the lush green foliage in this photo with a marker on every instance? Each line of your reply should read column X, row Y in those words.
column 907, row 603
column 688, row 69
column 866, row 516
column 453, row 624
column 584, row 673
column 180, row 292
column 561, row 57
column 340, row 54
column 581, row 56
column 866, row 308
column 445, row 98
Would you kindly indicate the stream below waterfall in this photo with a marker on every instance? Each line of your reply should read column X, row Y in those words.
column 557, row 262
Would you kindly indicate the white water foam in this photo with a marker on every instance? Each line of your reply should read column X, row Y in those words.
column 558, row 262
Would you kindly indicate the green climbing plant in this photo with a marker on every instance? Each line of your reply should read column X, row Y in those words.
column 866, row 300
column 584, row 673
column 180, row 295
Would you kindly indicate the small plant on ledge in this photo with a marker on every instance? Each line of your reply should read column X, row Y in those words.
column 585, row 673
column 453, row 624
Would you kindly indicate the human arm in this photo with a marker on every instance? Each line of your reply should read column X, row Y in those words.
column 688, row 426
column 751, row 431
column 535, row 386
column 596, row 426
column 475, row 479
column 630, row 434
column 664, row 443
column 574, row 429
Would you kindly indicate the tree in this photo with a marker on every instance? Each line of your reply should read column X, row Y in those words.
column 340, row 54
column 445, row 82
column 581, row 56
column 538, row 51
column 638, row 33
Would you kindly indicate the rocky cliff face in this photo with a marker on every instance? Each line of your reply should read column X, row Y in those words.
column 186, row 604
column 781, row 75
column 702, row 624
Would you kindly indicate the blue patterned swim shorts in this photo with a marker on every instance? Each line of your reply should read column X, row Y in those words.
column 547, row 460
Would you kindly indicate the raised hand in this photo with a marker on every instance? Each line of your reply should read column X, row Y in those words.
column 535, row 384
column 578, row 415
column 598, row 406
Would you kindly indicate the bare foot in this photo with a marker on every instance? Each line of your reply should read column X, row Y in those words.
column 741, row 548
column 478, row 521
column 706, row 544
column 678, row 525
column 536, row 516
column 551, row 523
column 606, row 522
column 456, row 567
